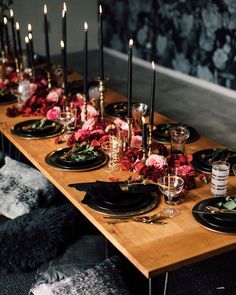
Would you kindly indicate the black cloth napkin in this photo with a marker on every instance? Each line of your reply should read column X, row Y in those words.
column 112, row 191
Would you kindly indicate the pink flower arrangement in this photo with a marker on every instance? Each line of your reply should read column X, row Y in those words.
column 136, row 141
column 91, row 112
column 157, row 161
column 54, row 95
column 53, row 113
column 89, row 124
column 121, row 124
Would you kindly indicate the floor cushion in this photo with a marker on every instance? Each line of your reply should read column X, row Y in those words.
column 22, row 188
column 34, row 238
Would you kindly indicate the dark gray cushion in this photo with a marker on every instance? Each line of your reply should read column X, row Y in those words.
column 33, row 239
column 103, row 279
column 22, row 188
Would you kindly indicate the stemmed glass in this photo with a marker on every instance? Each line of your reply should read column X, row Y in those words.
column 66, row 118
column 111, row 147
column 170, row 185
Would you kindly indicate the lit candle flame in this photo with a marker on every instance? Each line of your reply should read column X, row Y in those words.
column 11, row 13
column 5, row 20
column 153, row 65
column 26, row 39
column 64, row 6
column 30, row 36
column 29, row 27
column 131, row 42
column 85, row 26
column 62, row 44
column 100, row 9
column 45, row 9
column 17, row 26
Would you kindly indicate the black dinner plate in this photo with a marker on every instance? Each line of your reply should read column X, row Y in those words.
column 149, row 200
column 53, row 159
column 162, row 132
column 203, row 165
column 47, row 131
column 120, row 108
column 7, row 97
column 221, row 224
column 72, row 162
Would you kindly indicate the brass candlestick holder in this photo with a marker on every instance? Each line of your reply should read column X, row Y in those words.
column 144, row 157
column 49, row 79
column 17, row 66
column 101, row 89
column 85, row 96
column 150, row 128
column 129, row 121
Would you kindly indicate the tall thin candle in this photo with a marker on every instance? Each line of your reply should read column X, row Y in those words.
column 47, row 49
column 64, row 26
column 86, row 60
column 18, row 38
column 152, row 98
column 64, row 66
column 101, row 62
column 31, row 47
column 144, row 133
column 28, row 51
column 1, row 36
column 13, row 33
column 6, row 35
column 129, row 114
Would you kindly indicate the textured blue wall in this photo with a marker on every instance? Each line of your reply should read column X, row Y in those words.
column 196, row 37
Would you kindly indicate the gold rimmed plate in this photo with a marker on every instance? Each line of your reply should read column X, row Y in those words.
column 120, row 108
column 162, row 132
column 50, row 129
column 7, row 97
column 147, row 205
column 54, row 159
column 219, row 222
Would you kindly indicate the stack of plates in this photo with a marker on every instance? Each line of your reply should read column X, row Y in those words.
column 222, row 222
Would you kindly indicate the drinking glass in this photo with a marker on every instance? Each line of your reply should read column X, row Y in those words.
column 22, row 92
column 111, row 147
column 178, row 139
column 73, row 124
column 170, row 186
column 67, row 118
column 219, row 178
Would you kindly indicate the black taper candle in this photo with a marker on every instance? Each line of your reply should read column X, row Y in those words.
column 6, row 35
column 101, row 61
column 31, row 47
column 144, row 133
column 13, row 33
column 64, row 26
column 47, row 49
column 152, row 98
column 86, row 60
column 18, row 38
column 1, row 35
column 129, row 113
column 64, row 67
column 28, row 52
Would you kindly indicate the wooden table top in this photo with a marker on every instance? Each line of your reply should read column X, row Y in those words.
column 152, row 249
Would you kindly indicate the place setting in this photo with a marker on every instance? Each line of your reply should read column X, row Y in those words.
column 37, row 129
column 218, row 213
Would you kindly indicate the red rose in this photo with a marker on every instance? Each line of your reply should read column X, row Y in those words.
column 125, row 164
column 95, row 143
column 138, row 166
column 58, row 140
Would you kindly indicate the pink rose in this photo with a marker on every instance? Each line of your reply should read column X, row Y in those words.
column 136, row 142
column 89, row 124
column 53, row 114
column 32, row 88
column 156, row 161
column 81, row 134
column 52, row 96
column 91, row 113
column 186, row 170
column 121, row 124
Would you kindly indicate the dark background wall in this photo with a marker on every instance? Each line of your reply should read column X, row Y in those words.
column 197, row 38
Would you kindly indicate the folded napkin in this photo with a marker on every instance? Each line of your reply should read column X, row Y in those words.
column 112, row 191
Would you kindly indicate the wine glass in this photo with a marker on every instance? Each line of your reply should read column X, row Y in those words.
column 66, row 118
column 22, row 92
column 111, row 147
column 170, row 185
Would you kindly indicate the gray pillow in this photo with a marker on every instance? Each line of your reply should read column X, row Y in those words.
column 103, row 279
column 22, row 188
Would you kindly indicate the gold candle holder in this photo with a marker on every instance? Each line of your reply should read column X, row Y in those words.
column 144, row 157
column 129, row 121
column 17, row 66
column 150, row 128
column 101, row 89
column 85, row 106
column 49, row 79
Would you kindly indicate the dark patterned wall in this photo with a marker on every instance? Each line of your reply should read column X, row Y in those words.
column 196, row 37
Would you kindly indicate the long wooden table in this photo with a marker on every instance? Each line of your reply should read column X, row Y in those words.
column 152, row 249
